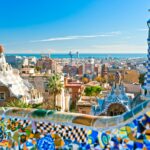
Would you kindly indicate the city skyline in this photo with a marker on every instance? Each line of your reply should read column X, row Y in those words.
column 85, row 26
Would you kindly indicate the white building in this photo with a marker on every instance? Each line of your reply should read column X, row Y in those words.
column 12, row 86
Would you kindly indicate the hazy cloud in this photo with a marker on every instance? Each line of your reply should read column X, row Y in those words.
column 76, row 37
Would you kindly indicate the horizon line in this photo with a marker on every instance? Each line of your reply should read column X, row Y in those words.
column 73, row 53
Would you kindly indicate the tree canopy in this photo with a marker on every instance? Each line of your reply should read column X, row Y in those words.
column 92, row 90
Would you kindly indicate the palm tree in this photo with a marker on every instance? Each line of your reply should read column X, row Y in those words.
column 55, row 86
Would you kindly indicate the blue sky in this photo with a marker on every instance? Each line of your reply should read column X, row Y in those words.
column 87, row 26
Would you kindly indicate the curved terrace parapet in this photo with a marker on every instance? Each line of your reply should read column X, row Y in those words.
column 98, row 122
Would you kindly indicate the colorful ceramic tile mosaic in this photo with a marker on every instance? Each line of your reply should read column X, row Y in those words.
column 24, row 129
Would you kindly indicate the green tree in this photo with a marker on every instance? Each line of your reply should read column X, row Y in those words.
column 88, row 91
column 92, row 90
column 97, row 90
column 55, row 86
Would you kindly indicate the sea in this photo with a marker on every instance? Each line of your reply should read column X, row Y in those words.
column 83, row 55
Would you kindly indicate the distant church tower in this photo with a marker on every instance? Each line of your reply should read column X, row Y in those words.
column 146, row 88
column 104, row 71
column 118, row 78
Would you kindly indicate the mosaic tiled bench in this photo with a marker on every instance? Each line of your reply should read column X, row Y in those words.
column 33, row 129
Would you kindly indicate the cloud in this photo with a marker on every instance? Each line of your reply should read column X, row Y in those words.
column 76, row 37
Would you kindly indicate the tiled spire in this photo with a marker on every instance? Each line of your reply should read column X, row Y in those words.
column 147, row 77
